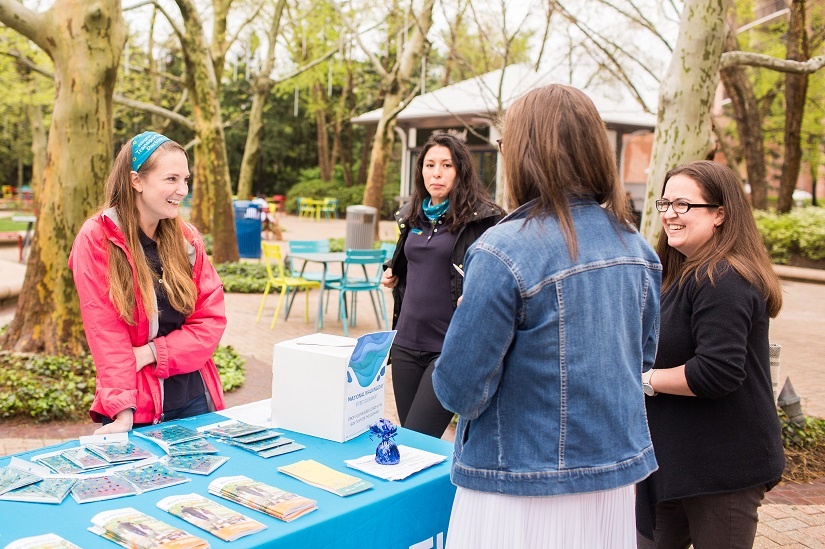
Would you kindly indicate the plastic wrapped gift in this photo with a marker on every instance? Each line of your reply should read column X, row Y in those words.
column 387, row 452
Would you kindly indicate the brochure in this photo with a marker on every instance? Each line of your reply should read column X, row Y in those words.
column 131, row 528
column 48, row 490
column 325, row 478
column 102, row 487
column 260, row 445
column 45, row 541
column 85, row 459
column 58, row 463
column 280, row 450
column 255, row 437
column 16, row 474
column 232, row 429
column 200, row 464
column 256, row 495
column 152, row 476
column 119, row 452
column 191, row 447
column 412, row 461
column 210, row 516
column 168, row 435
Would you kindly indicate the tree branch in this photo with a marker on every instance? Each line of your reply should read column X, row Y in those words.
column 810, row 66
column 639, row 19
column 309, row 65
column 375, row 61
column 27, row 22
column 177, row 30
column 28, row 62
column 153, row 109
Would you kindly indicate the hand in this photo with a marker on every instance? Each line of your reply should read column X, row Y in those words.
column 389, row 280
column 121, row 424
column 143, row 356
column 457, row 303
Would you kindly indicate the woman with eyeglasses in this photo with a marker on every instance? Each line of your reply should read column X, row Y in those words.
column 709, row 401
column 544, row 356
column 152, row 303
column 449, row 209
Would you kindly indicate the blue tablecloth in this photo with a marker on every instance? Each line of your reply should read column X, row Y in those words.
column 391, row 515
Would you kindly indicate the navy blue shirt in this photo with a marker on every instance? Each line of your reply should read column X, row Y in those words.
column 177, row 389
column 427, row 307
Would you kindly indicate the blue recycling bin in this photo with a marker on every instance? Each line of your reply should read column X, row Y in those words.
column 248, row 228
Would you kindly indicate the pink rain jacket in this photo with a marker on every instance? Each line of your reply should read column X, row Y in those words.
column 111, row 339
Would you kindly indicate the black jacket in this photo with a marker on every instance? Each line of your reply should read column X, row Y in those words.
column 487, row 216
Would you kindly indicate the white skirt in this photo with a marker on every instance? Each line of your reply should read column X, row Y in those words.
column 595, row 520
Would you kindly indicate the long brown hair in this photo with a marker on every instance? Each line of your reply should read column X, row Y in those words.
column 172, row 246
column 555, row 147
column 468, row 192
column 736, row 241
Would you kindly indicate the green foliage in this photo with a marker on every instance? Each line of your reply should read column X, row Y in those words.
column 243, row 277
column 7, row 225
column 45, row 388
column 230, row 367
column 312, row 186
column 810, row 436
column 800, row 232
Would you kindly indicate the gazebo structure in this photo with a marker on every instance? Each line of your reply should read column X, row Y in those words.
column 472, row 108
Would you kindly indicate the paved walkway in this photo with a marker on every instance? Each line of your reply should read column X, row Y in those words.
column 793, row 514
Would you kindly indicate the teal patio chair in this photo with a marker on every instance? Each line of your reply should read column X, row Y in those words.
column 353, row 283
column 330, row 208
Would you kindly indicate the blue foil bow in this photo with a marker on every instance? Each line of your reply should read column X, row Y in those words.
column 387, row 452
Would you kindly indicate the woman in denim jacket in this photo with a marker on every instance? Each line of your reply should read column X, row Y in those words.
column 543, row 357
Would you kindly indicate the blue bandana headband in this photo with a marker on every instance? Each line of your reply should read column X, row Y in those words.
column 144, row 145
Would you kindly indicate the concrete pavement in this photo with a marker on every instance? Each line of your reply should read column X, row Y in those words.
column 793, row 516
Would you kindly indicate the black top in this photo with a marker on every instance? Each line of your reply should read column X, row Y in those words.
column 484, row 217
column 426, row 314
column 177, row 389
column 727, row 438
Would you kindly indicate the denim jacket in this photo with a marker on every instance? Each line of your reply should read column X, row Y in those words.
column 544, row 355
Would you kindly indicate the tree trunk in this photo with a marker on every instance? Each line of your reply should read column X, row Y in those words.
column 212, row 196
column 683, row 128
column 322, row 137
column 39, row 141
column 260, row 92
column 397, row 86
column 85, row 41
column 796, row 90
column 749, row 125
column 369, row 136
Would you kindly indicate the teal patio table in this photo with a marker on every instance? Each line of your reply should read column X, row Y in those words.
column 411, row 513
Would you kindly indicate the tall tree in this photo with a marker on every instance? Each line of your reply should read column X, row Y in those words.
column 84, row 40
column 748, row 119
column 397, row 87
column 212, row 194
column 796, row 90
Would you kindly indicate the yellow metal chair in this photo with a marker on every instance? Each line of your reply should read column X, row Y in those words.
column 306, row 207
column 276, row 277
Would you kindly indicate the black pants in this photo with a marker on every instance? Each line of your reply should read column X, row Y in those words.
column 412, row 381
column 709, row 522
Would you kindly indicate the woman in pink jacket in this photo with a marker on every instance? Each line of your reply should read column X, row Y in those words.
column 152, row 304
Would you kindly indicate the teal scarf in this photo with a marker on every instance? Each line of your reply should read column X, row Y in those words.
column 434, row 212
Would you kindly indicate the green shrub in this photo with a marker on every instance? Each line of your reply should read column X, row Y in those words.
column 800, row 232
column 311, row 185
column 243, row 277
column 45, row 388
column 230, row 367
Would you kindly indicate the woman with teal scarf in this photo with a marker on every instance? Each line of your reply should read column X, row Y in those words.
column 448, row 210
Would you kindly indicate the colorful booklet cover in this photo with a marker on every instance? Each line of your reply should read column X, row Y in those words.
column 152, row 476
column 48, row 490
column 191, row 447
column 199, row 464
column 211, row 516
column 58, row 463
column 326, row 478
column 16, row 474
column 131, row 528
column 256, row 495
column 45, row 541
column 119, row 452
column 259, row 445
column 169, row 435
column 102, row 487
column 255, row 437
column 85, row 459
column 232, row 429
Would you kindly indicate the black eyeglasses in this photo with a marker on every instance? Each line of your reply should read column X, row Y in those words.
column 680, row 206
column 500, row 146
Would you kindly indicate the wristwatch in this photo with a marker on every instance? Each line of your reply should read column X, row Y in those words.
column 646, row 386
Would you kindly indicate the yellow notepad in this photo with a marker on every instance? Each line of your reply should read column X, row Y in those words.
column 321, row 476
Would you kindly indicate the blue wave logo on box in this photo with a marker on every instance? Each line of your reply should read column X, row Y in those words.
column 369, row 355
